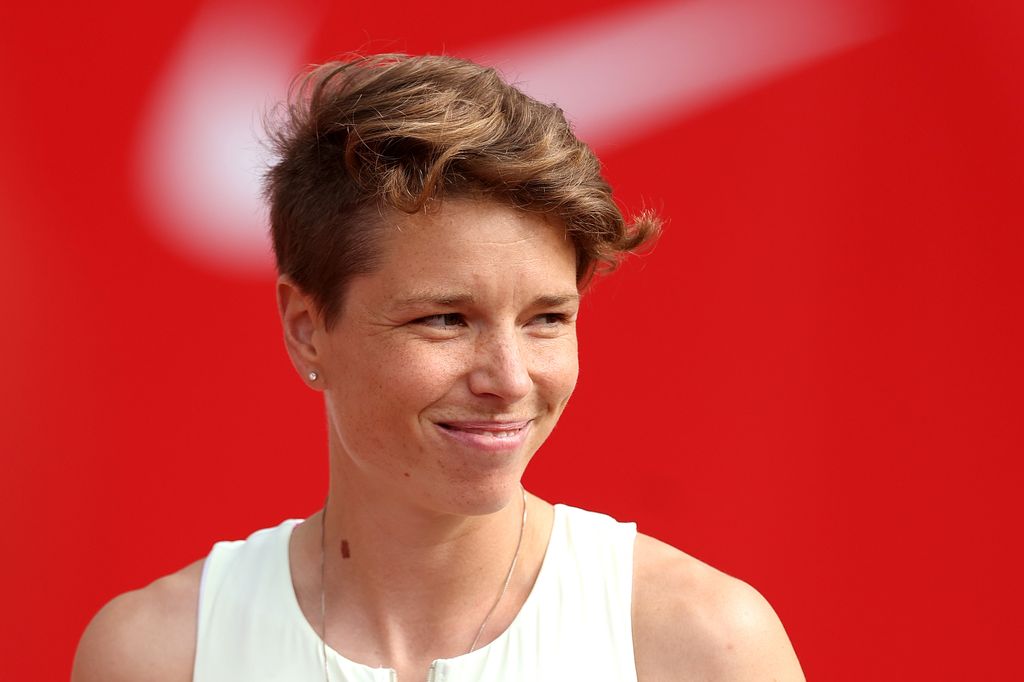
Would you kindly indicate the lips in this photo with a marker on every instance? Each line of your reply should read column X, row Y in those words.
column 487, row 435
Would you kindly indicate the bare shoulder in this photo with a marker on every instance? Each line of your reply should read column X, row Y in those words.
column 146, row 634
column 691, row 621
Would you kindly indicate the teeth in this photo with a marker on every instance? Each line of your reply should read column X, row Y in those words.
column 494, row 434
column 502, row 434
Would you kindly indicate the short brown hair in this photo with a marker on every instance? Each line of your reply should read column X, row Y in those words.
column 395, row 132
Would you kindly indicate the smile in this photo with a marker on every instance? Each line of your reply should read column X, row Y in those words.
column 488, row 436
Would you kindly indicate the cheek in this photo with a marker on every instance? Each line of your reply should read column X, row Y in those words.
column 559, row 370
column 381, row 391
column 395, row 381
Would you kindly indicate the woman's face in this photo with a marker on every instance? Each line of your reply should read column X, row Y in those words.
column 450, row 364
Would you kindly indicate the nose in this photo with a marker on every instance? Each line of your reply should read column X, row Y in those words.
column 500, row 368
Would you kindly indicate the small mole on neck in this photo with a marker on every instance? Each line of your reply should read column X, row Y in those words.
column 344, row 549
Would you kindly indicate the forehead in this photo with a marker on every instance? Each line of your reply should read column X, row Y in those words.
column 476, row 243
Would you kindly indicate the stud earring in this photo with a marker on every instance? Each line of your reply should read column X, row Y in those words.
column 313, row 376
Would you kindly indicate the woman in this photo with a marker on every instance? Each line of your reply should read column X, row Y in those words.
column 433, row 228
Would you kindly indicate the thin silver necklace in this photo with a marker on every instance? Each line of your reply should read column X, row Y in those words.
column 479, row 632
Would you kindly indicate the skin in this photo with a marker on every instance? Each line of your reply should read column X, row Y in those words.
column 469, row 322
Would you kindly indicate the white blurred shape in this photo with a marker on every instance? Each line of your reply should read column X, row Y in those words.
column 619, row 75
column 201, row 158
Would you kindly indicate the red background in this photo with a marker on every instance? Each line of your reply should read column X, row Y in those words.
column 813, row 383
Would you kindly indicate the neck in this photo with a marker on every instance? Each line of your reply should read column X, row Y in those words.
column 418, row 582
column 404, row 558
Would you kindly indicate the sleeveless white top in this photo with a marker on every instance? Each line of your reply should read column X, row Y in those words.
column 575, row 625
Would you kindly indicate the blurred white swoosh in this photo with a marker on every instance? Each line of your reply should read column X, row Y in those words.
column 617, row 75
column 200, row 153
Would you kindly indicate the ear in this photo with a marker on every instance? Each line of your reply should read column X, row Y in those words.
column 300, row 321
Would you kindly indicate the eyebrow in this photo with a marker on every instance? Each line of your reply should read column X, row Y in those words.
column 439, row 298
column 555, row 300
column 453, row 299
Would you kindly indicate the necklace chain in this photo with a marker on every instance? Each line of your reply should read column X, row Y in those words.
column 479, row 632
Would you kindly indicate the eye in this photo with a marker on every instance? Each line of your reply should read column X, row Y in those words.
column 442, row 321
column 550, row 319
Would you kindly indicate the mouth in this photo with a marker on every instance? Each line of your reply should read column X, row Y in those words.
column 491, row 435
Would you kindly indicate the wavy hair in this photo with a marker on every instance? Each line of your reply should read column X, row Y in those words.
column 395, row 132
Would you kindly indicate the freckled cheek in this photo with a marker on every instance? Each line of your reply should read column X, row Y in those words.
column 380, row 407
column 420, row 375
column 558, row 370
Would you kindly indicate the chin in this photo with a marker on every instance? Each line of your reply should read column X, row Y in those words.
column 480, row 499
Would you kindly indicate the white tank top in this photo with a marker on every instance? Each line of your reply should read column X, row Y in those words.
column 575, row 625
